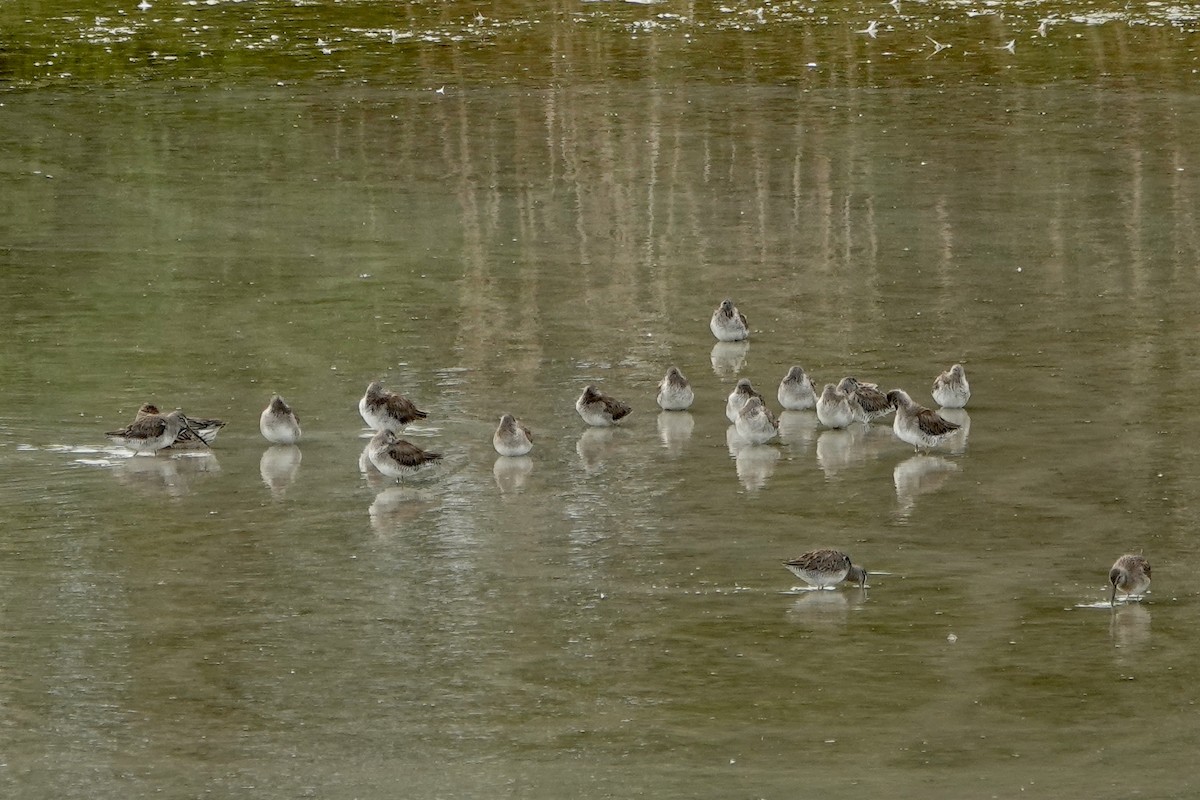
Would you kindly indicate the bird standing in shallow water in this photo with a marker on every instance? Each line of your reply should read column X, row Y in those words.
column 728, row 324
column 866, row 401
column 917, row 425
column 833, row 408
column 397, row 458
column 278, row 423
column 151, row 432
column 599, row 409
column 387, row 411
column 1131, row 575
column 825, row 569
column 950, row 389
column 512, row 438
column 755, row 423
column 738, row 398
column 195, row 432
column 796, row 392
column 674, row 392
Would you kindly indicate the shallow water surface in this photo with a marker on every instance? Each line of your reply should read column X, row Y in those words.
column 608, row 616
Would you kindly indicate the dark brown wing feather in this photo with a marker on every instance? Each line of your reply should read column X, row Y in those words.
column 149, row 426
column 615, row 407
column 409, row 455
column 871, row 400
column 402, row 408
column 822, row 560
column 934, row 424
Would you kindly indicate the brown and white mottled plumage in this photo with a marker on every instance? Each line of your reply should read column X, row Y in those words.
column 950, row 389
column 512, row 437
column 755, row 422
column 674, row 392
column 387, row 411
column 866, row 401
column 738, row 398
column 196, row 433
column 278, row 423
column 397, row 458
column 599, row 409
column 728, row 324
column 796, row 391
column 917, row 425
column 1131, row 575
column 833, row 408
column 150, row 431
column 825, row 569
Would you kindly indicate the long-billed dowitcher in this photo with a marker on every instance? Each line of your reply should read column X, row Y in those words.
column 737, row 399
column 917, row 425
column 796, row 392
column 278, row 423
column 387, row 411
column 950, row 389
column 599, row 409
column 512, row 437
column 833, row 408
column 728, row 324
column 195, row 433
column 755, row 422
column 1131, row 575
column 825, row 569
column 397, row 458
column 151, row 432
column 867, row 403
column 674, row 392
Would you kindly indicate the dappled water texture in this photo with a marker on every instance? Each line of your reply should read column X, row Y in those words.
column 608, row 616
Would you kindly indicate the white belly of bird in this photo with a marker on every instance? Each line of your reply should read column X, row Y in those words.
column 834, row 415
column 951, row 396
column 756, row 428
column 673, row 398
column 594, row 414
column 796, row 398
column 511, row 446
column 278, row 431
column 821, row 580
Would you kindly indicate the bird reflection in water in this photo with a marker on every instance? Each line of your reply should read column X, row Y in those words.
column 595, row 446
column 674, row 430
column 729, row 358
column 825, row 609
column 396, row 507
column 918, row 475
column 173, row 475
column 1129, row 628
column 511, row 472
column 798, row 428
column 278, row 467
column 755, row 464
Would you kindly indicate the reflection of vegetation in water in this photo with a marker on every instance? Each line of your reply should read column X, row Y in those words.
column 464, row 43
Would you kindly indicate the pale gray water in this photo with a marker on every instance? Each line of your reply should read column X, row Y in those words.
column 610, row 616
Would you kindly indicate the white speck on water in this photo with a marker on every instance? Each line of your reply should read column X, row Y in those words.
column 952, row 638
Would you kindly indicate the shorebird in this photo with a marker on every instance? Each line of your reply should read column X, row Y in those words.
column 950, row 389
column 937, row 47
column 796, row 392
column 151, row 432
column 1130, row 574
column 833, row 408
column 755, row 423
column 825, row 569
column 1010, row 46
column 512, row 438
column 738, row 397
column 674, row 392
column 599, row 409
column 866, row 401
column 278, row 423
column 397, row 458
column 195, row 432
column 387, row 411
column 917, row 425
column 728, row 324
column 871, row 29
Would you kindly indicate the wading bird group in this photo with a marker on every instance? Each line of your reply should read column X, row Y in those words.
column 840, row 405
